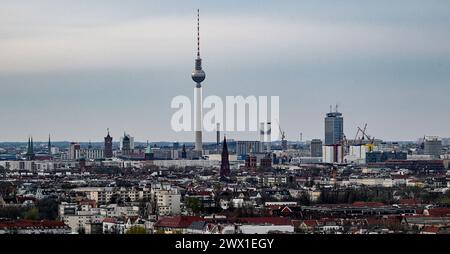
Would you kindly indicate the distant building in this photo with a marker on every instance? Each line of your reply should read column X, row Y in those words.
column 415, row 165
column 108, row 146
column 380, row 156
column 433, row 146
column 332, row 154
column 250, row 162
column 162, row 154
column 316, row 148
column 446, row 141
column 74, row 151
column 334, row 128
column 91, row 153
column 127, row 144
column 246, row 147
column 183, row 152
column 148, row 153
column 266, row 162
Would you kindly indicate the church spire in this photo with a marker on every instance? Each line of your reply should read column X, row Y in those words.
column 225, row 164
column 49, row 146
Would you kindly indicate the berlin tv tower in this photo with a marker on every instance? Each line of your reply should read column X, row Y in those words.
column 198, row 75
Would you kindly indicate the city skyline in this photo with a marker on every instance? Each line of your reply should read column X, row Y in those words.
column 97, row 67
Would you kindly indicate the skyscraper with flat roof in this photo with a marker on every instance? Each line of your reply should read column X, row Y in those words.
column 433, row 146
column 316, row 148
column 334, row 128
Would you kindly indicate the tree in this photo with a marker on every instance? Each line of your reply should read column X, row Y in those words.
column 32, row 214
column 137, row 230
column 304, row 198
column 193, row 204
column 48, row 209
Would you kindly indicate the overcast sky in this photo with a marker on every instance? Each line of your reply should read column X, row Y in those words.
column 76, row 68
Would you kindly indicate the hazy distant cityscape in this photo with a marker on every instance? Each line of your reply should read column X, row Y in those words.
column 326, row 185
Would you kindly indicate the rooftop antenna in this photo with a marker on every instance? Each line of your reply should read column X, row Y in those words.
column 198, row 33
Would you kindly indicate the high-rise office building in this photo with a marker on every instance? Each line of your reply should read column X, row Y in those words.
column 108, row 146
column 316, row 148
column 433, row 147
column 334, row 128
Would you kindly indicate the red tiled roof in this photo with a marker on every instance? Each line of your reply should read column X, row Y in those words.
column 310, row 223
column 439, row 211
column 430, row 229
column 367, row 204
column 110, row 220
column 177, row 221
column 373, row 221
column 410, row 201
column 286, row 209
column 266, row 220
column 93, row 203
column 32, row 224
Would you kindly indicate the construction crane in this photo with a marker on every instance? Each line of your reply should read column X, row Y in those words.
column 364, row 135
column 283, row 137
column 356, row 140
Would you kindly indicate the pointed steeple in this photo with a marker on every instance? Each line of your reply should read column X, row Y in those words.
column 32, row 145
column 49, row 146
column 225, row 164
column 30, row 149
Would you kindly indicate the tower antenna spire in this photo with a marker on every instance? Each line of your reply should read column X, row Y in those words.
column 198, row 33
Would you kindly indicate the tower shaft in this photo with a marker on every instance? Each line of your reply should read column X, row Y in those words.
column 198, row 119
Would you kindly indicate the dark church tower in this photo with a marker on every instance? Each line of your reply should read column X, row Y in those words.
column 49, row 147
column 30, row 149
column 108, row 151
column 225, row 164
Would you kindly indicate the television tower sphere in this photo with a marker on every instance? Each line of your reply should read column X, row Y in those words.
column 198, row 76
